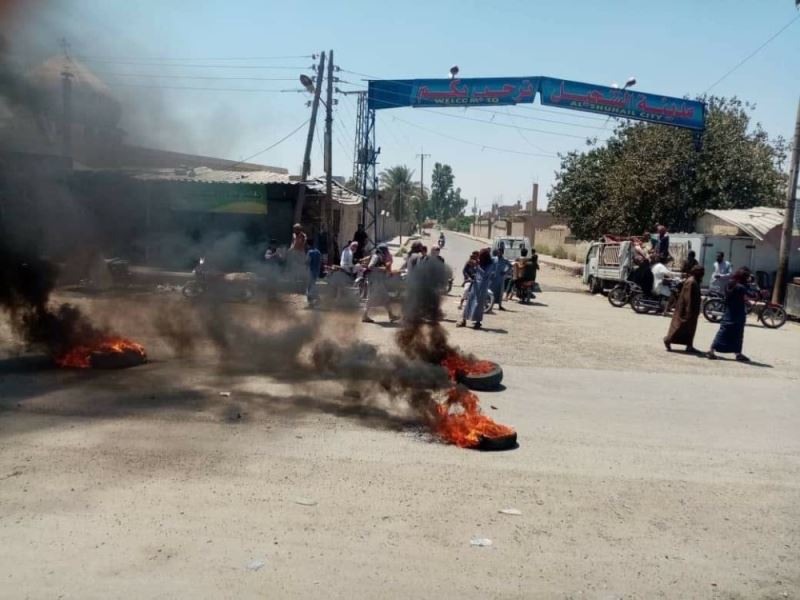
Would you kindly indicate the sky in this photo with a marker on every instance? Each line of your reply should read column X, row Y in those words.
column 240, row 55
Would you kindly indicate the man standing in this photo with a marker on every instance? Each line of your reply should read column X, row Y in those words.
column 482, row 281
column 314, row 263
column 347, row 262
column 361, row 237
column 690, row 263
column 722, row 267
column 502, row 274
column 662, row 244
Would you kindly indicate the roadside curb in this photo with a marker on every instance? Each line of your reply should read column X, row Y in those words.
column 574, row 269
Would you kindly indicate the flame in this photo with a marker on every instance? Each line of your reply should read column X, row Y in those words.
column 466, row 426
column 456, row 363
column 80, row 357
column 459, row 419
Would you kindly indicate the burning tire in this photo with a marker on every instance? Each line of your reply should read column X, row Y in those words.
column 483, row 381
column 116, row 360
column 502, row 442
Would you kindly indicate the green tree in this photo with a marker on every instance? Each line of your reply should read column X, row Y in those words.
column 398, row 188
column 647, row 174
column 445, row 201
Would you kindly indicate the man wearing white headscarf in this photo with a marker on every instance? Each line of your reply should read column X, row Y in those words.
column 346, row 261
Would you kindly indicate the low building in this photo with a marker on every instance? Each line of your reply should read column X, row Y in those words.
column 759, row 229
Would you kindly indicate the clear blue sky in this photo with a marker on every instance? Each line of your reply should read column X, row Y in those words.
column 674, row 48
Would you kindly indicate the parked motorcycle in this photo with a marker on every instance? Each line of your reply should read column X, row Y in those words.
column 643, row 303
column 224, row 286
column 771, row 315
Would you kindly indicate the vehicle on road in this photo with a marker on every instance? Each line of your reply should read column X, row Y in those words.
column 609, row 262
column 621, row 294
column 771, row 315
column 511, row 246
column 656, row 303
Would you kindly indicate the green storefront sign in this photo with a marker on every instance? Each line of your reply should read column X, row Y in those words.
column 230, row 198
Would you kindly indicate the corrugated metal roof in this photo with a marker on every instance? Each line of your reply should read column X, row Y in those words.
column 757, row 221
column 206, row 175
column 341, row 194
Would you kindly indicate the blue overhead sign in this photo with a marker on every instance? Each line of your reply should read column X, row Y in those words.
column 485, row 91
column 622, row 103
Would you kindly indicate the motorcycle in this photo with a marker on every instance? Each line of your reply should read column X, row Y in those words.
column 226, row 286
column 621, row 294
column 771, row 315
column 441, row 242
column 524, row 291
column 642, row 303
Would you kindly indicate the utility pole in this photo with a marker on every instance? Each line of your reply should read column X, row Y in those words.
column 66, row 125
column 422, row 157
column 327, row 208
column 301, row 194
column 788, row 217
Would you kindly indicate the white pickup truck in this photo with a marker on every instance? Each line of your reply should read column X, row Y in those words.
column 608, row 263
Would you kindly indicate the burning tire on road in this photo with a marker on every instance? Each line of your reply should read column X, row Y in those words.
column 108, row 353
column 479, row 375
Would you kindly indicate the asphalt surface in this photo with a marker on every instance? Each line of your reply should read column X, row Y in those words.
column 640, row 474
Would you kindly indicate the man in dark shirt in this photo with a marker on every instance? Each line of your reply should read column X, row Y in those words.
column 643, row 277
column 689, row 263
column 361, row 237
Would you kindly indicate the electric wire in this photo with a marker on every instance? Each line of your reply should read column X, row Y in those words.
column 271, row 146
column 471, row 143
column 94, row 58
column 753, row 53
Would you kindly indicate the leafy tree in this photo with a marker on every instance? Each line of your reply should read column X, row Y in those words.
column 446, row 201
column 398, row 188
column 460, row 223
column 647, row 174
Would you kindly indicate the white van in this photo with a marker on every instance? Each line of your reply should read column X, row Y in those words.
column 511, row 246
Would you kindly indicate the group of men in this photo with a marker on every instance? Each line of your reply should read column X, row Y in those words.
column 490, row 275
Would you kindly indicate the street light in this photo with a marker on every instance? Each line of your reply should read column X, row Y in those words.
column 629, row 83
column 308, row 83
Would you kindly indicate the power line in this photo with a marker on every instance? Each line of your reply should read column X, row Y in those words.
column 202, row 66
column 465, row 118
column 754, row 52
column 204, row 77
column 471, row 143
column 280, row 141
column 209, row 89
column 536, row 119
column 178, row 58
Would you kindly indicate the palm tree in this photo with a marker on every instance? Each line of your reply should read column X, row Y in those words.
column 398, row 188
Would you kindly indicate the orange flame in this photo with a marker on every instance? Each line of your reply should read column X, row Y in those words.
column 456, row 363
column 465, row 426
column 459, row 419
column 80, row 357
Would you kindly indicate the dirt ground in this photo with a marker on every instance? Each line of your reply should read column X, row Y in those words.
column 640, row 474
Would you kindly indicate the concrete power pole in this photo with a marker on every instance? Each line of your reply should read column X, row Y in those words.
column 301, row 194
column 788, row 217
column 327, row 212
column 422, row 156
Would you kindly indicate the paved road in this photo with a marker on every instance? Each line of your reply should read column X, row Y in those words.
column 640, row 474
